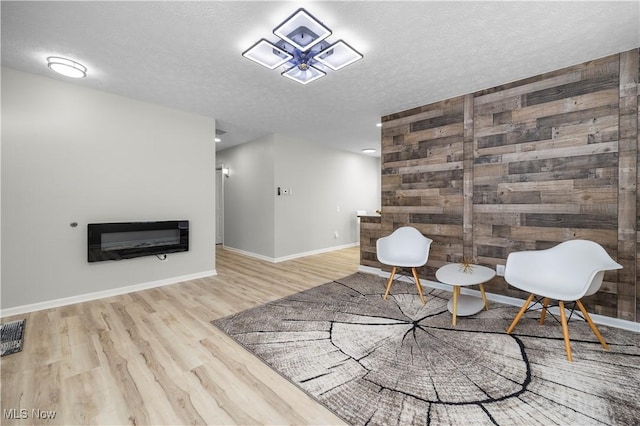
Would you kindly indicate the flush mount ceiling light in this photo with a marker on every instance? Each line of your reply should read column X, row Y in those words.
column 369, row 150
column 267, row 54
column 219, row 132
column 302, row 49
column 66, row 67
column 338, row 55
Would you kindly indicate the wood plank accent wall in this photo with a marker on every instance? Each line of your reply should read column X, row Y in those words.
column 628, row 188
column 524, row 166
column 369, row 234
column 423, row 177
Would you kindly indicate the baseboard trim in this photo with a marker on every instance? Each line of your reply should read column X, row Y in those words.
column 249, row 254
column 289, row 257
column 507, row 300
column 19, row 310
column 312, row 252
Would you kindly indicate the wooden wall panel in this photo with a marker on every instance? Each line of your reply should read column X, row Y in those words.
column 627, row 189
column 422, row 177
column 557, row 139
column 369, row 234
column 524, row 166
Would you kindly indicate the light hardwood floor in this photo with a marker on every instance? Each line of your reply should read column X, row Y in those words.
column 152, row 357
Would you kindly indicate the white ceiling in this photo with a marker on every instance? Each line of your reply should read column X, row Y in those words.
column 187, row 55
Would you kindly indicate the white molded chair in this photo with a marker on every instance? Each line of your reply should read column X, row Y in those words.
column 566, row 273
column 406, row 247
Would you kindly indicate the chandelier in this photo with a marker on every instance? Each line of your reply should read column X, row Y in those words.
column 302, row 49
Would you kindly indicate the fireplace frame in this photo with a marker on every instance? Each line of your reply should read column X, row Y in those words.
column 127, row 240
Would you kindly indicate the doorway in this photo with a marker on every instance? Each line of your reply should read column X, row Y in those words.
column 219, row 205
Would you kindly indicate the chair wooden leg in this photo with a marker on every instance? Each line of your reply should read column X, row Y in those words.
column 484, row 298
column 389, row 282
column 545, row 303
column 418, row 285
column 565, row 330
column 520, row 314
column 592, row 325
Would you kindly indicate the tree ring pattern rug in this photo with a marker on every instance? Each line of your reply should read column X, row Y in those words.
column 399, row 362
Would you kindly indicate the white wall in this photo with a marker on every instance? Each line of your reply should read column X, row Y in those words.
column 260, row 222
column 72, row 154
column 248, row 196
column 327, row 187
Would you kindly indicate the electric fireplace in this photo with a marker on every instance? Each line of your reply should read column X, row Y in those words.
column 125, row 240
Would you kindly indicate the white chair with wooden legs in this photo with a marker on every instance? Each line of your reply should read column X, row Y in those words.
column 406, row 247
column 566, row 273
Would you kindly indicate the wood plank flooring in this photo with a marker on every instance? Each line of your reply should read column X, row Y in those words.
column 152, row 357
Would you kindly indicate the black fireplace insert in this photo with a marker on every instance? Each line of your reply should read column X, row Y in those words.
column 126, row 240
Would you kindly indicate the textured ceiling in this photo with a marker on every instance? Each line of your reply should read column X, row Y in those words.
column 187, row 55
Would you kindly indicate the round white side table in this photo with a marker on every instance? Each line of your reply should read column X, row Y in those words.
column 454, row 275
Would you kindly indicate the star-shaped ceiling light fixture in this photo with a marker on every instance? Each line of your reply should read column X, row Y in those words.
column 302, row 49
